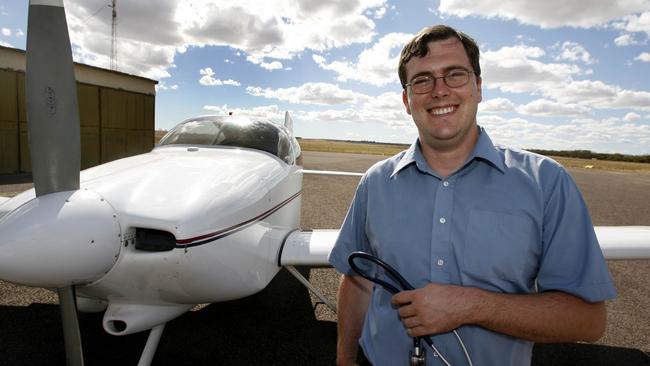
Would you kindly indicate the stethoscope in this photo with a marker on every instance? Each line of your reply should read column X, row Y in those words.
column 416, row 355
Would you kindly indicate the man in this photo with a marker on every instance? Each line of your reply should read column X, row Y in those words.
column 497, row 241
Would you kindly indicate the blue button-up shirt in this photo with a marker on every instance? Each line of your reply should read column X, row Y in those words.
column 508, row 221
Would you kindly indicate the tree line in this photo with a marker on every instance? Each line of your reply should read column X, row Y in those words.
column 588, row 154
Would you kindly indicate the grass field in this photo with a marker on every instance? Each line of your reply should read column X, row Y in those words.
column 392, row 149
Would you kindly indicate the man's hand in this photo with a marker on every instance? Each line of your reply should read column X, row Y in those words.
column 435, row 308
column 547, row 317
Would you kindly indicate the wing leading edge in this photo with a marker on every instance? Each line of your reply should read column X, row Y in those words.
column 312, row 248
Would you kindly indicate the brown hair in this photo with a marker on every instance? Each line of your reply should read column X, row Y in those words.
column 419, row 47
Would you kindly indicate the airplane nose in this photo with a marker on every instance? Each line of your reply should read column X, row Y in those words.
column 59, row 239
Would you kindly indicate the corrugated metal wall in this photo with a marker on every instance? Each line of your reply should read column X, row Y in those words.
column 114, row 123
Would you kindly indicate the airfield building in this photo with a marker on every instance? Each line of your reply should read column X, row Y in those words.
column 116, row 112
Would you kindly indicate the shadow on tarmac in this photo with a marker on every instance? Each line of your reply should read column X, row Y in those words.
column 274, row 327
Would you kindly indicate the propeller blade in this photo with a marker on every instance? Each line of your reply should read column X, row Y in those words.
column 53, row 128
column 70, row 323
column 52, row 112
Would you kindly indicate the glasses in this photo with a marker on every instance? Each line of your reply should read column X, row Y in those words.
column 425, row 83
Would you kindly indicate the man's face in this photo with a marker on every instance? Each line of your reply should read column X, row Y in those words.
column 445, row 117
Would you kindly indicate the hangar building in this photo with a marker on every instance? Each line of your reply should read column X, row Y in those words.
column 116, row 112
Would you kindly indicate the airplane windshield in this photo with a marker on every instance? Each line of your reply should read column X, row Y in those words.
column 232, row 131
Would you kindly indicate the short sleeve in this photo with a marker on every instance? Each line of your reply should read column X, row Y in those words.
column 571, row 260
column 352, row 236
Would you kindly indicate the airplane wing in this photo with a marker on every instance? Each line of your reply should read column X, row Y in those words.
column 331, row 172
column 307, row 248
column 312, row 248
column 624, row 242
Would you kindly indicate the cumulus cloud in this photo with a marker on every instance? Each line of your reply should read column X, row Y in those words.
column 274, row 65
column 310, row 93
column 605, row 135
column 548, row 108
column 163, row 86
column 269, row 31
column 208, row 79
column 551, row 13
column 496, row 105
column 270, row 111
column 519, row 69
column 645, row 57
column 572, row 51
column 636, row 23
column 626, row 39
column 376, row 65
column 516, row 69
column 5, row 32
column 631, row 117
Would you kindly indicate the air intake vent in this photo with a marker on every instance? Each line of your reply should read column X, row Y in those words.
column 151, row 240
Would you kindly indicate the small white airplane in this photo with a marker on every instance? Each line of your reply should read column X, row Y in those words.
column 211, row 214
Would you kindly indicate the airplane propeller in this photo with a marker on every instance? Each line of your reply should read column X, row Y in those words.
column 53, row 127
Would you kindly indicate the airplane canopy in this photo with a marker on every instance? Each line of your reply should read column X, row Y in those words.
column 237, row 131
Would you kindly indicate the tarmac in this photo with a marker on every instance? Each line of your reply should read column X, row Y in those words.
column 285, row 325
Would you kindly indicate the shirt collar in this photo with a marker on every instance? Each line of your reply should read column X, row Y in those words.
column 484, row 150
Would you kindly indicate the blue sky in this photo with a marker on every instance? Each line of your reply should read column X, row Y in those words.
column 557, row 74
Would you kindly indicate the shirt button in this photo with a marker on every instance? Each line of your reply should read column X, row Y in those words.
column 443, row 220
column 440, row 262
column 445, row 183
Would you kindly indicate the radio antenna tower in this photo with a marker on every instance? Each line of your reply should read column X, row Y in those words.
column 114, row 36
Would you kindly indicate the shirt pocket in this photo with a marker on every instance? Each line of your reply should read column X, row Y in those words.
column 501, row 246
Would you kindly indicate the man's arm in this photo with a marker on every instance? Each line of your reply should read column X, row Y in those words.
column 547, row 317
column 353, row 300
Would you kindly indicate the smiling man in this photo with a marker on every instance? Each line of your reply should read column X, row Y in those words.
column 497, row 241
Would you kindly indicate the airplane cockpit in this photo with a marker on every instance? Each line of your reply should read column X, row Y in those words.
column 235, row 131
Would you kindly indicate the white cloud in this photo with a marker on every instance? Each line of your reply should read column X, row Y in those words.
column 599, row 95
column 268, row 30
column 548, row 108
column 274, row 65
column 626, row 39
column 496, row 105
column 572, row 51
column 310, row 93
column 19, row 33
column 515, row 69
column 5, row 32
column 645, row 57
column 376, row 65
column 636, row 23
column 271, row 111
column 607, row 135
column 163, row 86
column 380, row 12
column 550, row 13
column 208, row 80
column 5, row 44
column 631, row 117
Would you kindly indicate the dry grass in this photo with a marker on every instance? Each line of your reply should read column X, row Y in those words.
column 351, row 147
column 602, row 164
column 392, row 149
